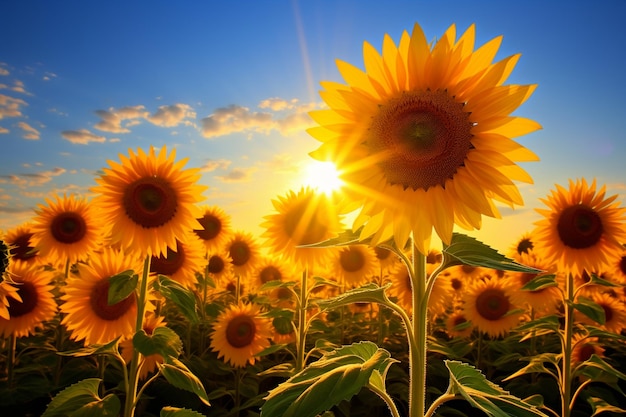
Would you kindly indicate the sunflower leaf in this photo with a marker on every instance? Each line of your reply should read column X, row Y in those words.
column 347, row 237
column 121, row 286
column 537, row 365
column 163, row 341
column 595, row 279
column 465, row 250
column 471, row 384
column 540, row 282
column 337, row 376
column 182, row 297
column 598, row 369
column 178, row 412
column 106, row 349
column 369, row 293
column 599, row 405
column 590, row 309
column 82, row 399
column 181, row 377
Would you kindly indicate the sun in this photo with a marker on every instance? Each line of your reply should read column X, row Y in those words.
column 322, row 176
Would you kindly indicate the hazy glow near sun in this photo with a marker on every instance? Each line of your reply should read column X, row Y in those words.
column 322, row 176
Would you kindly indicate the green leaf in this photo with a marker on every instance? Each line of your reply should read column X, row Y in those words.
column 272, row 285
column 272, row 349
column 121, row 286
column 540, row 282
column 335, row 377
column 590, row 309
column 182, row 297
column 82, row 399
column 181, row 377
column 369, row 293
column 537, row 365
column 178, row 412
column 163, row 341
column 465, row 250
column 347, row 237
column 598, row 405
column 597, row 369
column 596, row 280
column 106, row 349
column 471, row 384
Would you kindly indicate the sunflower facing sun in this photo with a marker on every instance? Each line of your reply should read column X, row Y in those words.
column 425, row 126
column 149, row 200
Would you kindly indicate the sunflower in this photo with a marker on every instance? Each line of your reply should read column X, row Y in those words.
column 582, row 229
column 215, row 230
column 8, row 291
column 88, row 314
column 68, row 229
column 614, row 313
column 584, row 347
column 19, row 241
column 243, row 250
column 272, row 268
column 240, row 333
column 488, row 305
column 523, row 245
column 30, row 304
column 454, row 321
column 181, row 262
column 422, row 137
column 355, row 264
column 542, row 301
column 302, row 218
column 149, row 201
column 149, row 363
column 386, row 258
column 402, row 290
column 220, row 265
column 4, row 258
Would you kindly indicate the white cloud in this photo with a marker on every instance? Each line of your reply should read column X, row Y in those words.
column 82, row 136
column 237, row 175
column 112, row 119
column 30, row 132
column 10, row 107
column 32, row 179
column 4, row 71
column 172, row 115
column 286, row 116
column 213, row 164
column 3, row 130
column 18, row 87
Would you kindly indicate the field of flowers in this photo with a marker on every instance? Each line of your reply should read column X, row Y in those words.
column 143, row 300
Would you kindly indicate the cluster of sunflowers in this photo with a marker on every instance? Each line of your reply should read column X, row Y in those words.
column 126, row 303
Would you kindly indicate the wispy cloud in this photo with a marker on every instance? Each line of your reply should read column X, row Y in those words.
column 214, row 164
column 112, row 119
column 82, row 136
column 18, row 87
column 3, row 130
column 282, row 163
column 278, row 114
column 172, row 115
column 4, row 71
column 120, row 120
column 30, row 132
column 33, row 178
column 10, row 107
column 237, row 175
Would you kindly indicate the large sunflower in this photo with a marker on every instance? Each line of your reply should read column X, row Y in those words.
column 302, row 218
column 355, row 264
column 488, row 305
column 240, row 333
column 422, row 137
column 68, row 229
column 582, row 229
column 21, row 247
column 215, row 230
column 182, row 261
column 149, row 200
column 244, row 252
column 33, row 302
column 88, row 314
column 8, row 293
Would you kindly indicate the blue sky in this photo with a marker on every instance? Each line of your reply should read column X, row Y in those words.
column 229, row 86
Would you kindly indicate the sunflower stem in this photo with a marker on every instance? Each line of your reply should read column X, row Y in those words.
column 11, row 360
column 386, row 398
column 131, row 393
column 302, row 327
column 566, row 375
column 417, row 343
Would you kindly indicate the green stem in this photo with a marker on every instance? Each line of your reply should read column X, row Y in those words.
column 131, row 393
column 417, row 344
column 11, row 360
column 386, row 398
column 437, row 403
column 566, row 374
column 302, row 323
column 60, row 330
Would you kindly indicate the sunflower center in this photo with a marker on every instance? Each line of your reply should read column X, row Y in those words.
column 456, row 283
column 579, row 226
column 21, row 249
column 170, row 263
column 240, row 253
column 423, row 137
column 351, row 260
column 240, row 331
column 492, row 304
column 524, row 246
column 458, row 320
column 211, row 227
column 585, row 352
column 4, row 257
column 216, row 264
column 68, row 227
column 622, row 264
column 29, row 295
column 99, row 301
column 270, row 273
column 302, row 224
column 150, row 202
column 382, row 253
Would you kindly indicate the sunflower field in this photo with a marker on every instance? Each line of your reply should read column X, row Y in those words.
column 144, row 300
